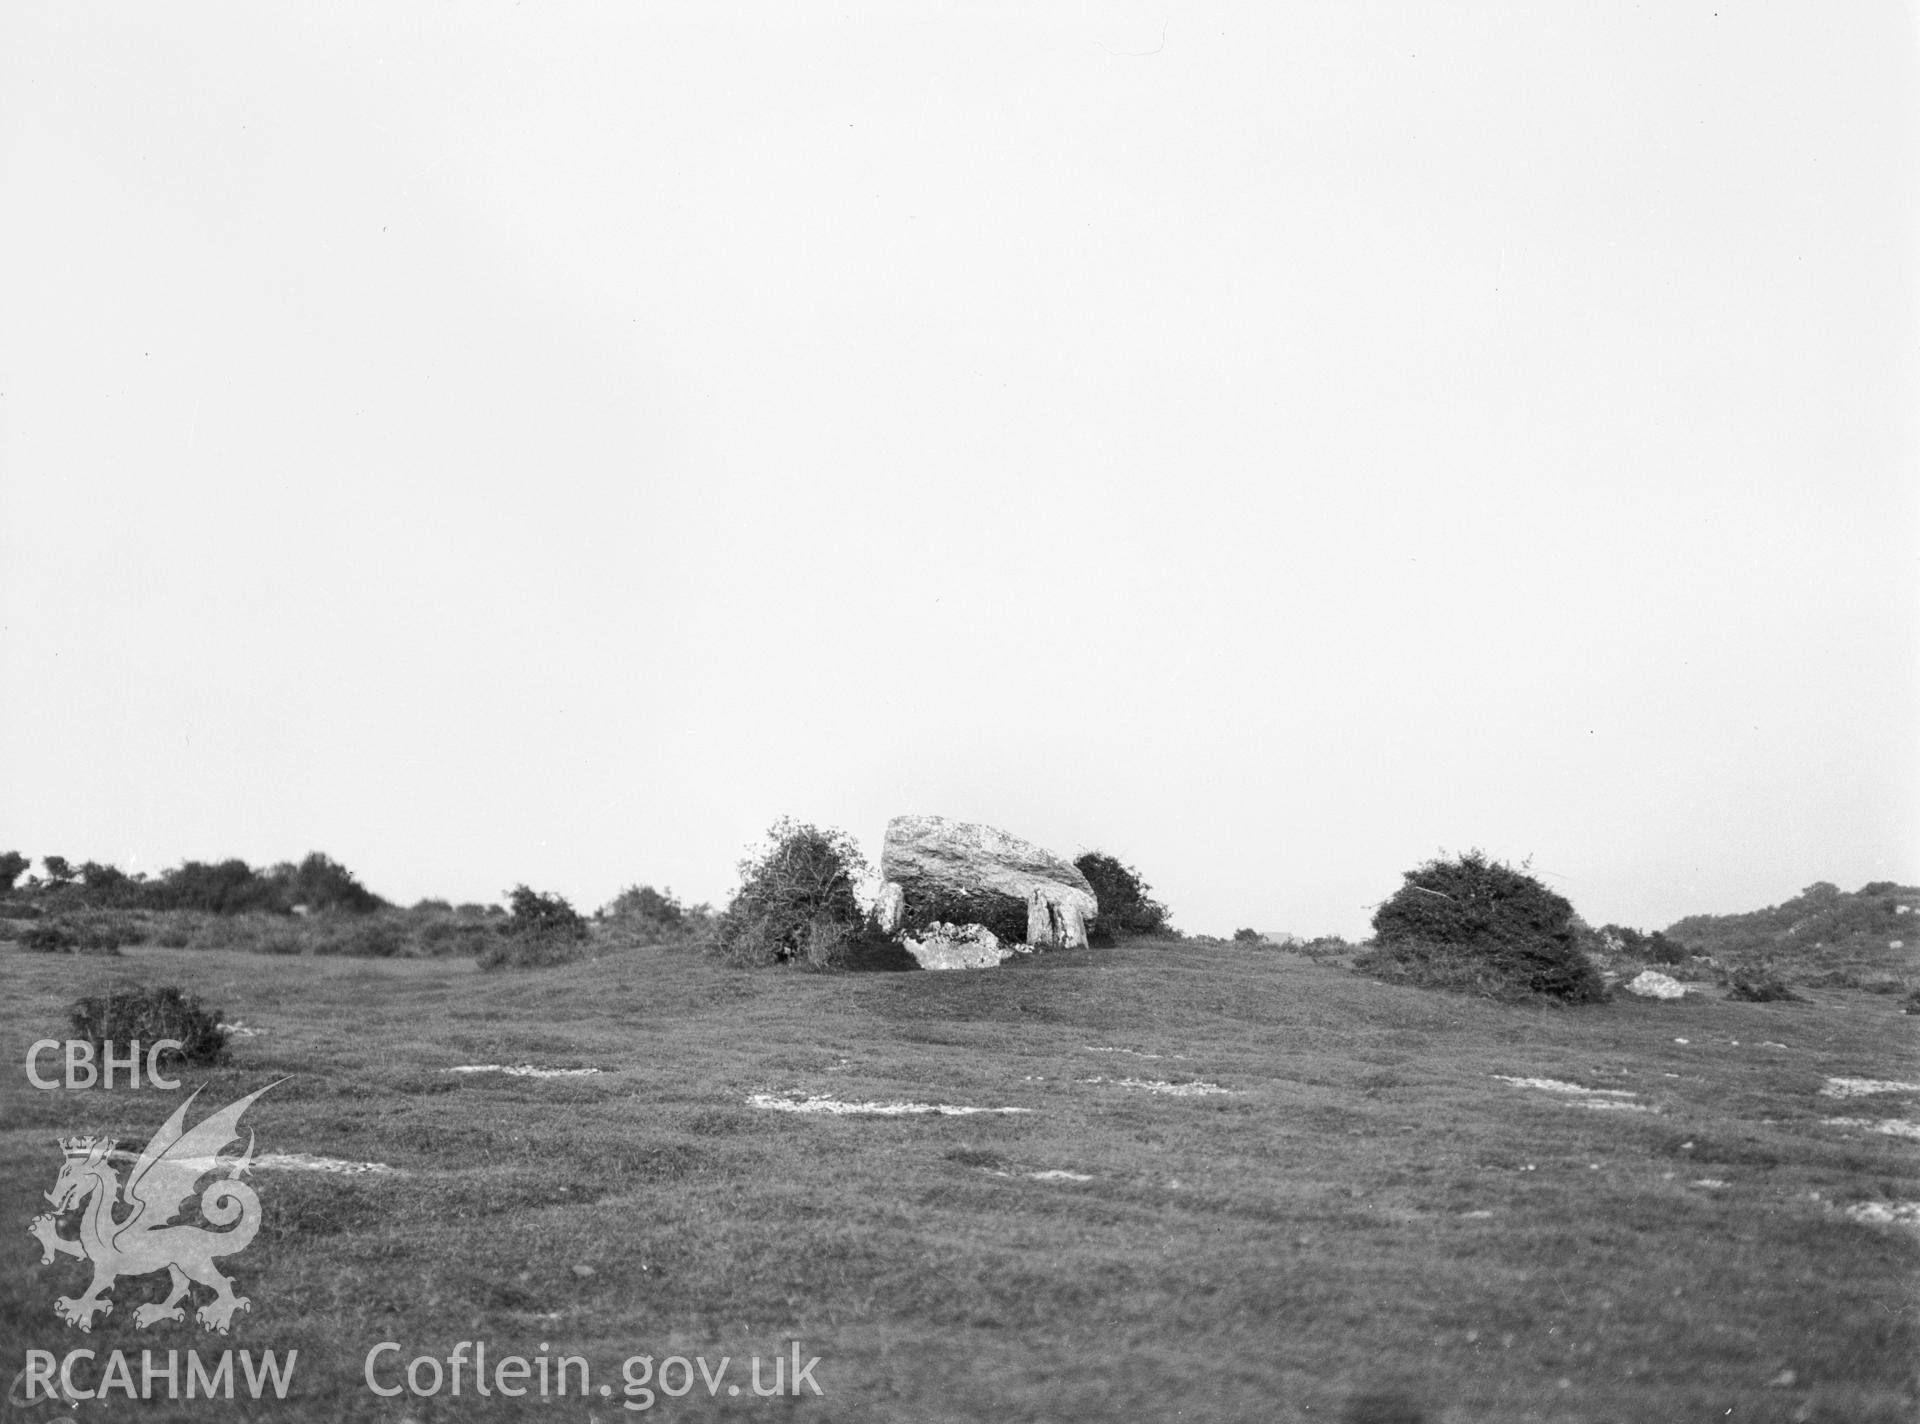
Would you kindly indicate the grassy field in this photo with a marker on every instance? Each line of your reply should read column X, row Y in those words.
column 1365, row 1222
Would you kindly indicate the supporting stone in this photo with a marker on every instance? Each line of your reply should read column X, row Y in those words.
column 1055, row 921
column 890, row 908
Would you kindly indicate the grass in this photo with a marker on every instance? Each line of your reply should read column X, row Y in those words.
column 1366, row 1224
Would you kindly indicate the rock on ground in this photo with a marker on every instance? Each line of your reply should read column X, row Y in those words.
column 1649, row 985
column 944, row 946
column 960, row 872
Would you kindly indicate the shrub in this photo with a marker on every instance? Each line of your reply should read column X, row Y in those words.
column 362, row 939
column 1481, row 927
column 1126, row 904
column 796, row 900
column 643, row 902
column 645, row 915
column 1653, row 948
column 541, row 930
column 529, row 951
column 1248, row 937
column 532, row 914
column 1760, row 987
column 150, row 1014
column 74, row 937
column 48, row 937
column 322, row 883
column 447, row 938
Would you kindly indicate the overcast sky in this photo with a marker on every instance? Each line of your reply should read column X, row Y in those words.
column 1274, row 444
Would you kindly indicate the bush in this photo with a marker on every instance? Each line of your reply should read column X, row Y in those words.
column 1759, row 987
column 75, row 937
column 149, row 1015
column 362, row 939
column 1478, row 926
column 450, row 937
column 48, row 937
column 1126, row 906
column 642, row 905
column 529, row 951
column 1653, row 948
column 796, row 901
column 534, row 915
column 12, row 866
column 1248, row 937
column 541, row 930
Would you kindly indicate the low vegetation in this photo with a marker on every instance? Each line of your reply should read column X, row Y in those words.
column 1246, row 1185
column 1824, row 937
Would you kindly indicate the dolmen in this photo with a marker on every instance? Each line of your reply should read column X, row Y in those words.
column 959, row 895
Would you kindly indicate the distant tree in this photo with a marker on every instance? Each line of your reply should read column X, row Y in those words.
column 1126, row 904
column 538, row 916
column 647, row 906
column 59, row 870
column 98, row 876
column 227, row 888
column 12, row 866
column 1247, row 936
column 322, row 883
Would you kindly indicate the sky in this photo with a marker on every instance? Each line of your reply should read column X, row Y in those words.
column 1273, row 444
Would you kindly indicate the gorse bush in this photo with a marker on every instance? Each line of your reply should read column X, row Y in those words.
column 1477, row 926
column 1761, row 987
column 101, row 935
column 362, row 939
column 541, row 930
column 121, row 1016
column 1127, row 906
column 644, row 906
column 796, row 901
column 531, row 914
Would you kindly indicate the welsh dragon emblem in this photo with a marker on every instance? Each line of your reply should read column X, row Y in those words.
column 143, row 1241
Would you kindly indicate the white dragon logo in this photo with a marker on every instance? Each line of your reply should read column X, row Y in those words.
column 159, row 1185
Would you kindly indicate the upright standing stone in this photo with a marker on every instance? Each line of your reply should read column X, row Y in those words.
column 1053, row 921
column 889, row 909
